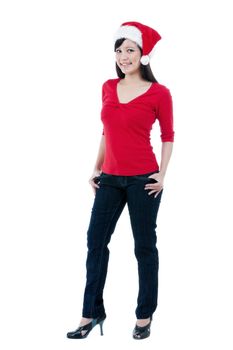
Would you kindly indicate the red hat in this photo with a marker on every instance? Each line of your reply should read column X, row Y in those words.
column 143, row 35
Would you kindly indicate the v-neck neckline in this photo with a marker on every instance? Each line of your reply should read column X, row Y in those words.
column 133, row 99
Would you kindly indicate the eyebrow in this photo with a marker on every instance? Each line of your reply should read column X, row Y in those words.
column 129, row 47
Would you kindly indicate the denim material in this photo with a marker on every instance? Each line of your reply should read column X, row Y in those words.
column 110, row 199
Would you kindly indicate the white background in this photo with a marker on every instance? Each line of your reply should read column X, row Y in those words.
column 55, row 55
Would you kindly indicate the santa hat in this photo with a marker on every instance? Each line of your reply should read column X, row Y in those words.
column 143, row 35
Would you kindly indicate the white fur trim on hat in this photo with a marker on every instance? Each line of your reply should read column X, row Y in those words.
column 129, row 32
column 145, row 59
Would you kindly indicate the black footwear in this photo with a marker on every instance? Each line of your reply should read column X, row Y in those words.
column 83, row 331
column 142, row 332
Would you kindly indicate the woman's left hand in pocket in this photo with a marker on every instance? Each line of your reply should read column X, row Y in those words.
column 155, row 187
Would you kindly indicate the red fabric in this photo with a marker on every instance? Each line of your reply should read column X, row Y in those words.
column 127, row 128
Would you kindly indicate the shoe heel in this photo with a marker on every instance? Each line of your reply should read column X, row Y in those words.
column 101, row 327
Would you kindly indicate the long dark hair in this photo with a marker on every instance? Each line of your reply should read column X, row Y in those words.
column 145, row 71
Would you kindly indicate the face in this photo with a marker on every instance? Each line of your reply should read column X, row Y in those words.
column 128, row 57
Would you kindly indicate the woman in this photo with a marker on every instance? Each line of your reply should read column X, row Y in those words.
column 126, row 171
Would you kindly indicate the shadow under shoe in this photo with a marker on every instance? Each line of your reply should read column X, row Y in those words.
column 83, row 331
column 142, row 332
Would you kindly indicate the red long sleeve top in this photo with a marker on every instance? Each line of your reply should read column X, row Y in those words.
column 127, row 127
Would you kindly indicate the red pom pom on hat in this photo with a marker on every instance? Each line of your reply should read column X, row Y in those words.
column 146, row 37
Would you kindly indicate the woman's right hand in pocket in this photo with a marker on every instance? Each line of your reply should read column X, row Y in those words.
column 93, row 181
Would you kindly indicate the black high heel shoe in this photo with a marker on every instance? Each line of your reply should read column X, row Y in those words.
column 142, row 332
column 83, row 331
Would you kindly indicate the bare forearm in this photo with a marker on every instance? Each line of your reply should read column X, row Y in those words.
column 100, row 155
column 166, row 153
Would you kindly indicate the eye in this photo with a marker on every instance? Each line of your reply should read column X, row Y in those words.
column 130, row 50
column 118, row 50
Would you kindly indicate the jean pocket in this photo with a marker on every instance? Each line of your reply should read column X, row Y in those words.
column 96, row 179
column 151, row 180
column 145, row 177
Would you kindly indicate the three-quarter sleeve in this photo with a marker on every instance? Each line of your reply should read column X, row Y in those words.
column 165, row 117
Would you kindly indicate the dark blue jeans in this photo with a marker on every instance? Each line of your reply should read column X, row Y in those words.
column 110, row 199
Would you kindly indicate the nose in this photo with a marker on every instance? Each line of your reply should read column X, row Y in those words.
column 124, row 57
column 122, row 52
column 125, row 54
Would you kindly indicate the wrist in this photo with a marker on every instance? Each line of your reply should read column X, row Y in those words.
column 97, row 169
column 162, row 172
